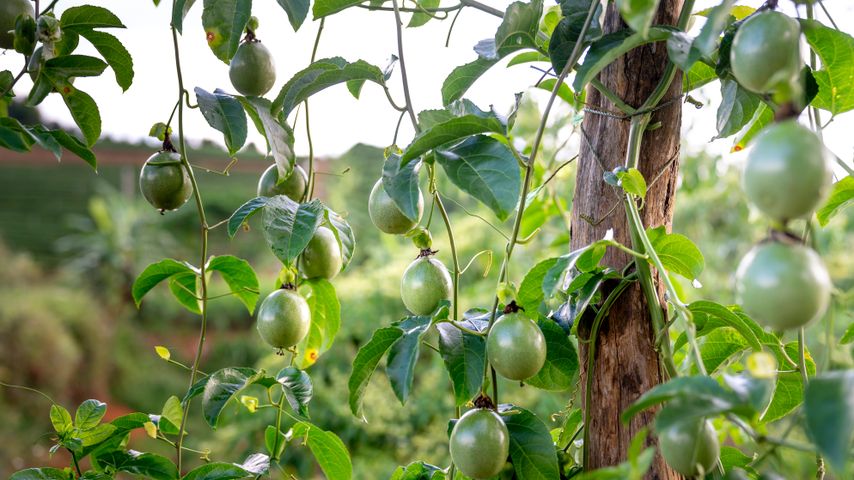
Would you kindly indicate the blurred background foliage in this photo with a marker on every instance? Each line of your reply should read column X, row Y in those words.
column 72, row 242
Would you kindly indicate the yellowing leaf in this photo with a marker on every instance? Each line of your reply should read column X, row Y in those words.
column 163, row 352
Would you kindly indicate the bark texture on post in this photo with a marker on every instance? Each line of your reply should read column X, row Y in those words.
column 626, row 364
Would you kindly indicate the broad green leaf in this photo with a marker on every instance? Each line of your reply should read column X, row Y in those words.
column 463, row 77
column 320, row 75
column 401, row 184
column 530, row 293
column 83, row 110
column 829, row 409
column 343, row 233
column 328, row 450
column 611, row 47
column 719, row 347
column 764, row 116
column 325, row 310
column 531, row 448
column 297, row 387
column 717, row 20
column 420, row 18
column 60, row 418
column 464, row 356
column 698, row 389
column 179, row 11
column 13, row 136
column 561, row 359
column 789, row 390
column 563, row 92
column 173, row 412
column 638, row 14
column 527, row 57
column 469, row 122
column 70, row 66
column 684, row 50
column 297, row 11
column 518, row 30
column 289, row 226
column 217, row 471
column 75, row 146
column 404, row 353
column 147, row 465
column 114, row 53
column 87, row 17
column 732, row 457
column 836, row 50
column 45, row 473
column 223, row 385
column 568, row 30
column 96, row 434
column 274, row 440
column 185, row 289
column 754, row 391
column 365, row 363
column 700, row 74
column 240, row 278
column 154, row 274
column 323, row 8
column 557, row 277
column 848, row 336
column 736, row 109
column 725, row 317
column 224, row 22
column 841, row 197
column 89, row 414
column 279, row 136
column 418, row 471
column 242, row 214
column 677, row 252
column 224, row 113
column 486, row 169
column 632, row 181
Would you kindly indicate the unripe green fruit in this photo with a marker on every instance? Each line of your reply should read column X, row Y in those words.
column 689, row 447
column 385, row 214
column 293, row 187
column 164, row 182
column 789, row 172
column 480, row 444
column 283, row 318
column 783, row 286
column 516, row 347
column 9, row 12
column 252, row 71
column 425, row 283
column 765, row 53
column 322, row 257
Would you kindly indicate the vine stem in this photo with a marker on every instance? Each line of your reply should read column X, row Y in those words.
column 311, row 176
column 203, row 248
column 441, row 206
column 279, row 409
column 398, row 23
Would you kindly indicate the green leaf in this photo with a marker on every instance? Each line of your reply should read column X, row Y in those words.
column 463, row 77
column 114, row 53
column 638, row 14
column 240, row 278
column 518, row 29
column 736, row 109
column 453, row 129
column 563, row 92
column 89, row 414
column 836, row 50
column 556, row 278
column 320, row 75
column 464, row 356
column 677, row 253
column 224, row 113
column 297, row 387
column 84, row 111
column 365, row 363
column 69, row 66
column 486, row 169
column 148, row 465
column 764, row 116
column 632, row 181
column 531, row 447
column 41, row 474
column 173, row 412
column 420, row 18
column 700, row 74
column 725, row 317
column 223, row 385
column 404, row 353
column 848, row 336
column 343, row 233
column 566, row 33
column 829, row 409
column 185, row 289
column 274, row 440
column 96, row 434
column 297, row 11
column 717, row 20
column 561, row 359
column 719, row 347
column 401, row 184
column 60, row 418
column 701, row 390
column 418, row 471
column 530, row 294
column 841, row 197
column 179, row 11
column 217, row 471
column 154, row 274
column 224, row 22
column 279, row 136
column 75, row 146
column 789, row 390
column 242, row 214
column 324, row 8
column 684, row 51
column 289, row 226
column 325, row 310
column 328, row 450
column 611, row 47
column 87, row 17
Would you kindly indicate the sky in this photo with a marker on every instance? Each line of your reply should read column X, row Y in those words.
column 338, row 120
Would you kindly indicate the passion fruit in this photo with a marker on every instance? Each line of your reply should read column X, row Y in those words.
column 386, row 215
column 480, row 443
column 425, row 283
column 252, row 70
column 164, row 182
column 765, row 53
column 322, row 257
column 516, row 347
column 283, row 318
column 293, row 187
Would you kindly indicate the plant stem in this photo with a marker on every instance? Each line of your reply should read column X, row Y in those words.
column 311, row 176
column 76, row 463
column 456, row 283
column 398, row 23
column 203, row 248
column 279, row 409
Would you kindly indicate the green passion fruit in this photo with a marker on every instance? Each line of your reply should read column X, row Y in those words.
column 765, row 53
column 10, row 10
column 293, row 187
column 386, row 215
column 425, row 283
column 690, row 447
column 480, row 443
column 164, row 182
column 252, row 71
column 322, row 257
column 516, row 347
column 783, row 286
column 789, row 173
column 283, row 318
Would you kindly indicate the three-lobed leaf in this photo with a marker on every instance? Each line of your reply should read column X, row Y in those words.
column 677, row 253
column 836, row 50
